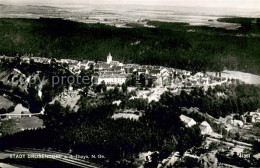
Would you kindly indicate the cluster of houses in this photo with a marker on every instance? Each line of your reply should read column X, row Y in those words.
column 204, row 126
column 255, row 116
column 116, row 73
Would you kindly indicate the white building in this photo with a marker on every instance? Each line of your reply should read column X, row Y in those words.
column 187, row 120
column 236, row 123
column 117, row 79
column 205, row 128
column 109, row 58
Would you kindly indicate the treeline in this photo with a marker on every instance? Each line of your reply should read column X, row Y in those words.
column 170, row 44
column 219, row 101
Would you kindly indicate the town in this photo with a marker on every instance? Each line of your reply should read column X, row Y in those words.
column 150, row 83
column 116, row 73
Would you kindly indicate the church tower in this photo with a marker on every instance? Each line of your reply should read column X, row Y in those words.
column 109, row 58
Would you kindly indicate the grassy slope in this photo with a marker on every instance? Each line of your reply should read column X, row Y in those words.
column 170, row 44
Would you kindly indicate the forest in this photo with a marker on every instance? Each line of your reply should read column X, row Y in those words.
column 92, row 131
column 169, row 44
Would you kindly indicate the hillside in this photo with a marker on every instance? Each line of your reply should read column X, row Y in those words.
column 177, row 45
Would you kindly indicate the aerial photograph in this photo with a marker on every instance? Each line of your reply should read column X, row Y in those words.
column 129, row 83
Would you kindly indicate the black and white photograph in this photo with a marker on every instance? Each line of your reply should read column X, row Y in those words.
column 129, row 83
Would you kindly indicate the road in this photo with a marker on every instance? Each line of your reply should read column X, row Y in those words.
column 62, row 157
column 231, row 143
column 173, row 158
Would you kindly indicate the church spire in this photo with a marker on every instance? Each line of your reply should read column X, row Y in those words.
column 109, row 58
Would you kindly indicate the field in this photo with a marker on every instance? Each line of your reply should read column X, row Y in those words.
column 245, row 77
column 19, row 109
column 178, row 45
column 5, row 103
column 18, row 124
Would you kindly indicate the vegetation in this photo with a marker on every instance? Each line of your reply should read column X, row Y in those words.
column 27, row 94
column 237, row 99
column 92, row 131
column 170, row 44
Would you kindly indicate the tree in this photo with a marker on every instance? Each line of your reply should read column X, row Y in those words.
column 103, row 86
column 124, row 87
column 248, row 119
column 167, row 98
column 3, row 111
column 143, row 79
column 35, row 101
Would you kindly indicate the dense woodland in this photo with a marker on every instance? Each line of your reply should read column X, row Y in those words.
column 219, row 101
column 170, row 44
column 92, row 131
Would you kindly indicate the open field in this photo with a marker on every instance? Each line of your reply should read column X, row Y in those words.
column 19, row 124
column 5, row 103
column 19, row 109
column 245, row 77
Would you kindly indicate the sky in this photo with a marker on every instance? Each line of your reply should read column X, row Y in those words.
column 240, row 4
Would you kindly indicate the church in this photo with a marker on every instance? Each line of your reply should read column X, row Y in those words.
column 111, row 62
column 114, row 78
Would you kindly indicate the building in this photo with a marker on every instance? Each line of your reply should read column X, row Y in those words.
column 117, row 79
column 208, row 160
column 25, row 59
column 188, row 121
column 107, row 73
column 205, row 128
column 236, row 123
column 166, row 76
column 109, row 58
column 102, row 66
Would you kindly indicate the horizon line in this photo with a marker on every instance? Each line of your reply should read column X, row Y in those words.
column 56, row 4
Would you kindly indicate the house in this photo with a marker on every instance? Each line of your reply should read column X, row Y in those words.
column 208, row 160
column 257, row 120
column 237, row 123
column 199, row 74
column 129, row 70
column 118, row 68
column 187, row 73
column 25, row 59
column 166, row 77
column 73, row 66
column 205, row 80
column 193, row 80
column 188, row 121
column 118, row 102
column 141, row 71
column 115, row 63
column 155, row 72
column 257, row 156
column 255, row 116
column 83, row 67
column 64, row 61
column 102, row 66
column 39, row 59
column 205, row 128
